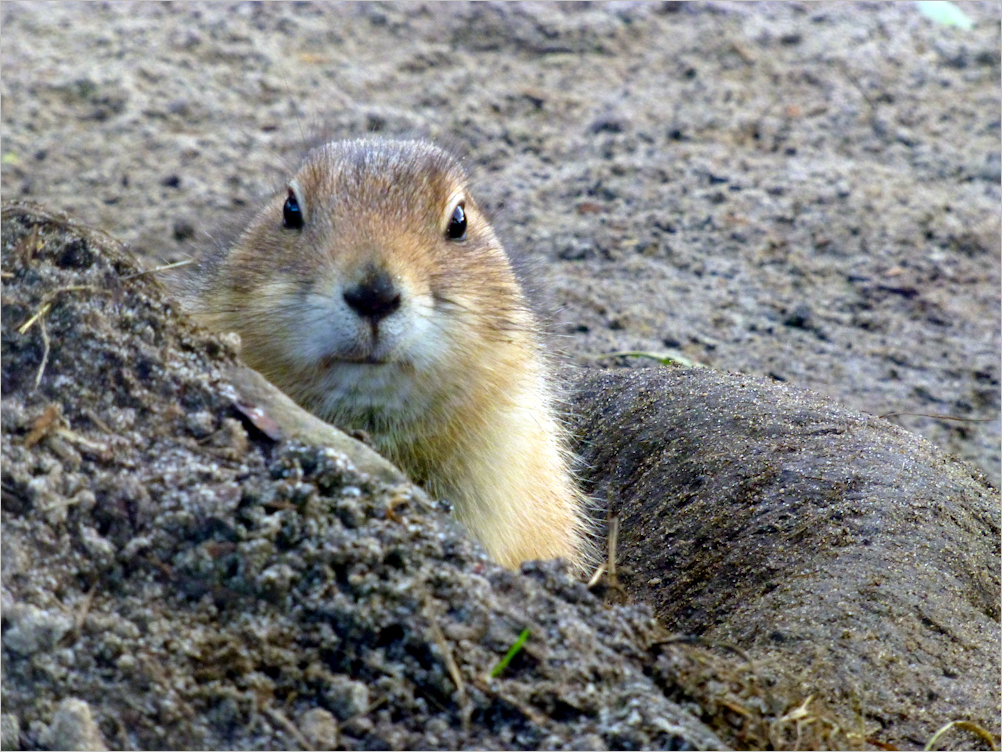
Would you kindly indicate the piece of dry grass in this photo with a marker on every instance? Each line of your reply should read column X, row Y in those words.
column 39, row 317
column 966, row 726
column 279, row 717
column 28, row 246
column 44, row 424
column 450, row 664
column 158, row 269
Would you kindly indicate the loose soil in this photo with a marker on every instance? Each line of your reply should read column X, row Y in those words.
column 804, row 193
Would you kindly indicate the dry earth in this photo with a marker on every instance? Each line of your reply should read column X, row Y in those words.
column 175, row 577
column 177, row 573
column 803, row 192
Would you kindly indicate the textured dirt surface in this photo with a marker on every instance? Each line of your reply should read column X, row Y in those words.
column 847, row 550
column 805, row 191
column 174, row 576
column 174, row 579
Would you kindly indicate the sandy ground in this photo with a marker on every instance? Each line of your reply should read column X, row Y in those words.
column 803, row 191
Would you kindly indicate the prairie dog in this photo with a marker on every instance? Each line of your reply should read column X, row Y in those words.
column 374, row 292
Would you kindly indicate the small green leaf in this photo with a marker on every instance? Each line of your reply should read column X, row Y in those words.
column 946, row 13
column 667, row 358
column 512, row 652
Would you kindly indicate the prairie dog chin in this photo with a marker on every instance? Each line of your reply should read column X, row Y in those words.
column 375, row 293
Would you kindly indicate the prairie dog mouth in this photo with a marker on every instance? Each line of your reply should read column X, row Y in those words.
column 333, row 361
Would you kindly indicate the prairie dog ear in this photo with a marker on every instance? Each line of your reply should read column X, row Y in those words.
column 295, row 210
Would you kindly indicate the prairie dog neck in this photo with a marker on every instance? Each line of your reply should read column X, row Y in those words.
column 375, row 293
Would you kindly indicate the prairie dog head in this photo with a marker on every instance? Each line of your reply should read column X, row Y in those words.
column 370, row 286
column 373, row 291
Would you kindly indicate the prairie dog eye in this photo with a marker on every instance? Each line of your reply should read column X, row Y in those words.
column 293, row 214
column 457, row 223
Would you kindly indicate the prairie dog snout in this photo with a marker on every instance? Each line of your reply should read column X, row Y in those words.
column 375, row 293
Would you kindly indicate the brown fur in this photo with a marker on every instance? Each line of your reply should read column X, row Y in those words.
column 460, row 397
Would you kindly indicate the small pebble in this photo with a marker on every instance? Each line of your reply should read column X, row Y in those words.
column 73, row 727
column 319, row 728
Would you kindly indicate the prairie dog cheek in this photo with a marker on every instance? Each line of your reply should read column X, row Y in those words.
column 421, row 334
column 319, row 327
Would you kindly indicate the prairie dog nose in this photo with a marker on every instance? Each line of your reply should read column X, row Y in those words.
column 375, row 297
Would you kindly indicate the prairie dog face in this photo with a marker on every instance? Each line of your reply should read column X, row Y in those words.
column 373, row 292
column 366, row 287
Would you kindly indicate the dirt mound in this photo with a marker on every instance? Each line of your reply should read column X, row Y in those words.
column 175, row 574
column 849, row 552
column 174, row 578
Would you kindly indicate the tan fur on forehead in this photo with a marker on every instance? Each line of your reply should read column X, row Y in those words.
column 387, row 173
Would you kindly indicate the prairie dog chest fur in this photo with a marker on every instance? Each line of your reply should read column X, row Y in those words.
column 375, row 293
